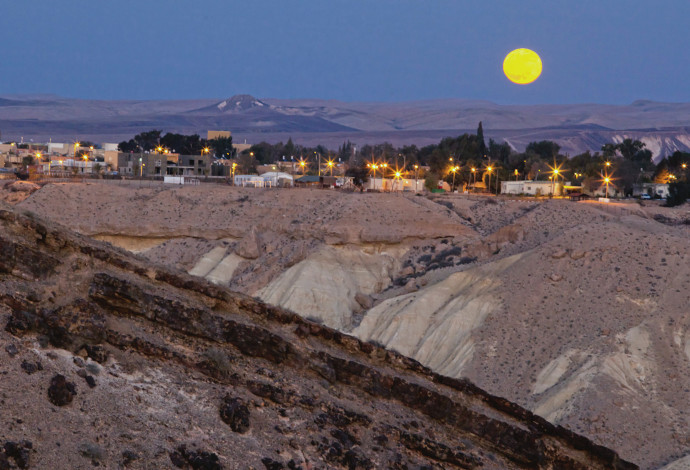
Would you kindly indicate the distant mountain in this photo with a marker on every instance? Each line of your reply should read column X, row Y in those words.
column 237, row 104
column 664, row 127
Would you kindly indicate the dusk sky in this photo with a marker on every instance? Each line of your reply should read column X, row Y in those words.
column 603, row 51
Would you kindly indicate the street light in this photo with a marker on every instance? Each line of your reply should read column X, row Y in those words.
column 302, row 164
column 489, row 169
column 474, row 176
column 607, row 180
column 330, row 164
column 416, row 171
column 373, row 167
column 454, row 169
column 396, row 177
column 234, row 165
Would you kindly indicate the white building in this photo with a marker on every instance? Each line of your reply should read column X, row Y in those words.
column 653, row 189
column 392, row 184
column 278, row 178
column 250, row 180
column 532, row 188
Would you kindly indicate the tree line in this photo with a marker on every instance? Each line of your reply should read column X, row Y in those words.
column 451, row 160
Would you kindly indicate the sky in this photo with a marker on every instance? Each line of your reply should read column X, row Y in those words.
column 593, row 51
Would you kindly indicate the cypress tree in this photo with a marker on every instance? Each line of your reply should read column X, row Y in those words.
column 480, row 140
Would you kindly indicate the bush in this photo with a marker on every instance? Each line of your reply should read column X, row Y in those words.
column 431, row 182
column 678, row 193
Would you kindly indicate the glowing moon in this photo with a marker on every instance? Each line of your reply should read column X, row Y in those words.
column 522, row 66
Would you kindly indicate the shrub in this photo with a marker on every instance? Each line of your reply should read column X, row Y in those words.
column 678, row 193
column 431, row 181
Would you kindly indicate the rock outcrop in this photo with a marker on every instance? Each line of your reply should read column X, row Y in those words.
column 183, row 355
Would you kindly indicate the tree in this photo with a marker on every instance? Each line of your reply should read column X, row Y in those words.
column 678, row 193
column 431, row 181
column 629, row 148
column 147, row 141
column 127, row 146
column 359, row 173
column 480, row 139
column 499, row 152
column 222, row 147
column 290, row 149
column 545, row 149
column 609, row 150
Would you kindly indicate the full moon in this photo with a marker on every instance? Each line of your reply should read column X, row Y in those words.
column 522, row 66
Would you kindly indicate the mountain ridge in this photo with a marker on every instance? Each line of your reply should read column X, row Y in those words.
column 664, row 127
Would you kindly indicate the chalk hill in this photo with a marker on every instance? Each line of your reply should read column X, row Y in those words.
column 110, row 360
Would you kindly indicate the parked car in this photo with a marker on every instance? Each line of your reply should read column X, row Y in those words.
column 645, row 196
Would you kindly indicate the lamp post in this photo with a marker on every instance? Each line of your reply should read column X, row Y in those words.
column 397, row 177
column 454, row 169
column 234, row 165
column 373, row 167
column 516, row 174
column 553, row 181
column 416, row 179
column 607, row 180
column 303, row 165
column 474, row 176
column 383, row 165
column 489, row 169
column 38, row 159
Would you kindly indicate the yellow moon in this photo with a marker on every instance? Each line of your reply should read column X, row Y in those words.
column 522, row 66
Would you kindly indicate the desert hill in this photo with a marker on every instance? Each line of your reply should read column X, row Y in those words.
column 577, row 127
column 112, row 360
column 576, row 311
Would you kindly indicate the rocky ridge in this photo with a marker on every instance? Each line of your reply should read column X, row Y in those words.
column 215, row 379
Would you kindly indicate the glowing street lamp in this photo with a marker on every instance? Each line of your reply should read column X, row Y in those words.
column 397, row 176
column 474, row 176
column 373, row 167
column 303, row 165
column 330, row 164
column 516, row 174
column 489, row 169
column 416, row 172
column 453, row 169
column 607, row 180
column 555, row 173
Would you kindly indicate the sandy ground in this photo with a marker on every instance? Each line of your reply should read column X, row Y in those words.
column 577, row 311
